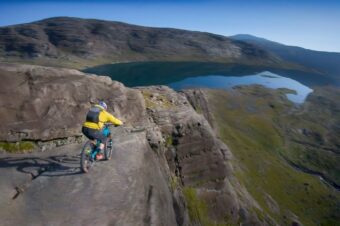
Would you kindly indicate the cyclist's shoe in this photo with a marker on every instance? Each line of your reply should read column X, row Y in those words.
column 99, row 156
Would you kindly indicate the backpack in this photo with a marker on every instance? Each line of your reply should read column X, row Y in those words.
column 93, row 114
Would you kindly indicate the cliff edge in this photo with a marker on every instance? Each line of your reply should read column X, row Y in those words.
column 173, row 170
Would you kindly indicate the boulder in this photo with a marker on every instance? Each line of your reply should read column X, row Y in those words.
column 44, row 103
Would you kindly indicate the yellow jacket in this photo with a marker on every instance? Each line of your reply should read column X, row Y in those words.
column 104, row 117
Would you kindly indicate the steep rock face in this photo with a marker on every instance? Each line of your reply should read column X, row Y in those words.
column 56, row 41
column 200, row 164
column 199, row 102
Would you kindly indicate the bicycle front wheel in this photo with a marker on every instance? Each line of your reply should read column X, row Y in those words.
column 85, row 158
column 108, row 149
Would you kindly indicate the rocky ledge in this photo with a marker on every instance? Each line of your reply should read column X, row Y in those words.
column 172, row 171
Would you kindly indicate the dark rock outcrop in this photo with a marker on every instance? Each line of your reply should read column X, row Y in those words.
column 198, row 160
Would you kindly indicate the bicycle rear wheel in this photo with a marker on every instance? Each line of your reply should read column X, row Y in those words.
column 85, row 158
column 108, row 149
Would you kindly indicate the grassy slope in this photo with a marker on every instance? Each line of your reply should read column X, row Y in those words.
column 247, row 120
column 314, row 134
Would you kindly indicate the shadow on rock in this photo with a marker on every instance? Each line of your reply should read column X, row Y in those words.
column 58, row 165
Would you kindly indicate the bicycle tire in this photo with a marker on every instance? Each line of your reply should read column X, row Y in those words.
column 108, row 149
column 85, row 163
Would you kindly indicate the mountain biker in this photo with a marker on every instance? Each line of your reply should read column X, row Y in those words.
column 96, row 117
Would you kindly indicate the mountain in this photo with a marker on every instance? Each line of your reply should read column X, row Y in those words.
column 79, row 43
column 82, row 43
column 324, row 62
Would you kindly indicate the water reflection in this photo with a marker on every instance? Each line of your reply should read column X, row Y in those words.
column 266, row 78
column 163, row 73
column 181, row 75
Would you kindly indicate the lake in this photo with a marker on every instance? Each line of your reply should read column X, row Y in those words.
column 182, row 75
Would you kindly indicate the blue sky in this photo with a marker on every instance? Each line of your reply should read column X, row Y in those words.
column 311, row 24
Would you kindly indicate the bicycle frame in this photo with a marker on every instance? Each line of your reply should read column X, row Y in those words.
column 90, row 150
column 107, row 132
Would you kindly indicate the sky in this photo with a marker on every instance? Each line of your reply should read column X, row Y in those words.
column 312, row 24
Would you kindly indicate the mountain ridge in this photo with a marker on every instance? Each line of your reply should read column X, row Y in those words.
column 79, row 43
column 324, row 62
column 254, row 37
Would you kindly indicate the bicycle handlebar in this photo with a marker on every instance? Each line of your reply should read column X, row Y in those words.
column 110, row 124
column 130, row 129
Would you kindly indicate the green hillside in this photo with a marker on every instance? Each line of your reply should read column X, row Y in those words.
column 250, row 120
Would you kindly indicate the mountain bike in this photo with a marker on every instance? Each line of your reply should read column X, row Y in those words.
column 89, row 151
column 86, row 156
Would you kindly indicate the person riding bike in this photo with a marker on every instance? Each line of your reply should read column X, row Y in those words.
column 92, row 128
